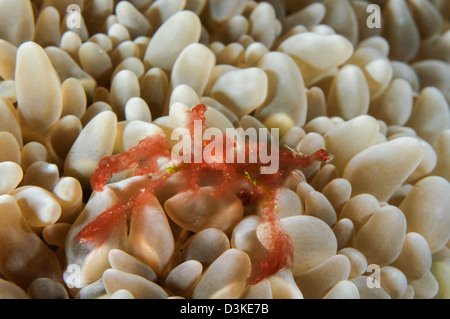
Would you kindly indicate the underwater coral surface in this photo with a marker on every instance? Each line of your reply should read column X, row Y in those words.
column 197, row 149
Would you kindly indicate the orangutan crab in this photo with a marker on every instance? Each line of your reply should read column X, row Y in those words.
column 244, row 178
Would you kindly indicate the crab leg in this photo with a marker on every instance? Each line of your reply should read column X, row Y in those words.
column 143, row 157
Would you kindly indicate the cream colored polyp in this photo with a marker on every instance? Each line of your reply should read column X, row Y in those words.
column 37, row 87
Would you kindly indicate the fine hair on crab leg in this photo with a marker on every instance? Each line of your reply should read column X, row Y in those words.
column 109, row 222
column 291, row 161
column 197, row 114
column 279, row 254
column 144, row 157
